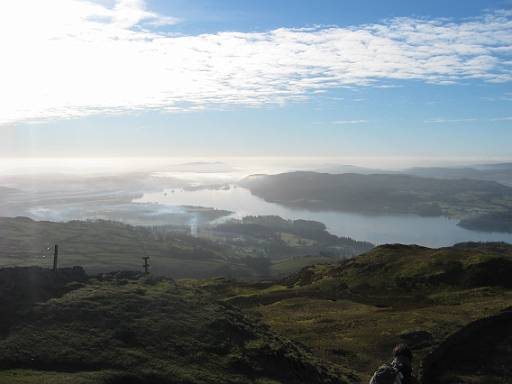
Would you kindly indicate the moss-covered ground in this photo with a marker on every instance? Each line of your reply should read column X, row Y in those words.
column 328, row 323
column 144, row 330
column 353, row 313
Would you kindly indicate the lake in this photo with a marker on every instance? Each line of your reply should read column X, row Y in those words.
column 406, row 229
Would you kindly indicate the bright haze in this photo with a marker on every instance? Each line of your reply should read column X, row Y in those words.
column 384, row 122
column 355, row 79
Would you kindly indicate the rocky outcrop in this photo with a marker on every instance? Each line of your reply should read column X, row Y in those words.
column 22, row 287
column 481, row 349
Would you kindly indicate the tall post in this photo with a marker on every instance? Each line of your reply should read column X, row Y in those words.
column 146, row 264
column 55, row 257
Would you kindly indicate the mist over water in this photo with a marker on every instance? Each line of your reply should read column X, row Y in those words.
column 152, row 191
column 378, row 229
column 242, row 166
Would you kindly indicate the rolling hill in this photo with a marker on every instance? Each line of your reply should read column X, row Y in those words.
column 382, row 193
column 327, row 323
column 242, row 249
column 126, row 328
column 352, row 313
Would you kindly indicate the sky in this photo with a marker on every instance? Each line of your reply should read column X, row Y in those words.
column 220, row 78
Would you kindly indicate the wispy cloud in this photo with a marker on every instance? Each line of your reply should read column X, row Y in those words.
column 507, row 118
column 345, row 122
column 67, row 58
column 444, row 121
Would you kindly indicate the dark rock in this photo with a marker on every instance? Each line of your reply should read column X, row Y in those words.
column 494, row 272
column 482, row 348
column 417, row 339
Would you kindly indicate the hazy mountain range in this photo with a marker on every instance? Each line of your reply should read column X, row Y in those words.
column 501, row 172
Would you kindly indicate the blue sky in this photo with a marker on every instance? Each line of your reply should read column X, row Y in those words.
column 258, row 78
column 210, row 16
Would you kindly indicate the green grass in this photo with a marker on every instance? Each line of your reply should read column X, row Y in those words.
column 324, row 323
column 352, row 313
column 26, row 376
column 282, row 268
column 360, row 336
column 386, row 266
column 101, row 246
column 109, row 246
column 156, row 331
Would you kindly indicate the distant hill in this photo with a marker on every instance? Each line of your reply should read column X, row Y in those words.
column 381, row 194
column 244, row 249
column 102, row 246
column 490, row 222
column 346, row 168
column 278, row 238
column 201, row 167
column 501, row 173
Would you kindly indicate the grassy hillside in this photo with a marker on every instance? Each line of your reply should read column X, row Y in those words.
column 235, row 250
column 342, row 319
column 381, row 194
column 277, row 238
column 352, row 313
column 103, row 245
column 410, row 267
column 129, row 329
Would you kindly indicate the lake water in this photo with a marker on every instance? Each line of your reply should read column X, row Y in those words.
column 406, row 229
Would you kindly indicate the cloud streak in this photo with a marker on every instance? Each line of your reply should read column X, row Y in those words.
column 349, row 122
column 444, row 121
column 72, row 58
column 467, row 120
column 507, row 118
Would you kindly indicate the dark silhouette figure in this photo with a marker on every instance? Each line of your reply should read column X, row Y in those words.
column 399, row 371
column 146, row 265
column 55, row 257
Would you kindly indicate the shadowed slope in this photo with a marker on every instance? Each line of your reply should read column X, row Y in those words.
column 155, row 332
column 352, row 313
